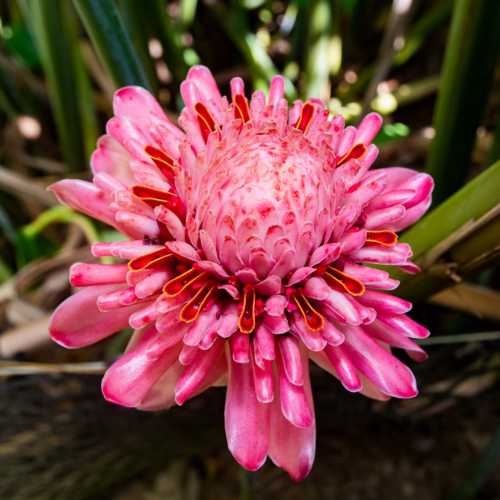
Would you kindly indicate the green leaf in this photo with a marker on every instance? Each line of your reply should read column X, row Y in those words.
column 475, row 199
column 461, row 229
column 188, row 12
column 431, row 19
column 22, row 45
column 467, row 74
column 176, row 56
column 235, row 23
column 392, row 132
column 140, row 33
column 112, row 42
column 5, row 272
column 56, row 34
column 324, row 48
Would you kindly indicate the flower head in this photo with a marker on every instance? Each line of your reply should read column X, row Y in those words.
column 250, row 234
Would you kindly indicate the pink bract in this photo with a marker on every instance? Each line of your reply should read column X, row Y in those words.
column 250, row 233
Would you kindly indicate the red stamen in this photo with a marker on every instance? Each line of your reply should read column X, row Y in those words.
column 153, row 259
column 313, row 319
column 165, row 163
column 205, row 120
column 179, row 284
column 241, row 108
column 305, row 118
column 383, row 237
column 355, row 153
column 335, row 277
column 192, row 309
column 246, row 323
column 154, row 197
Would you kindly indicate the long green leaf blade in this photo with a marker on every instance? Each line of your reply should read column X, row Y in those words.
column 466, row 77
column 450, row 228
column 54, row 24
column 322, row 56
column 471, row 202
column 140, row 33
column 112, row 42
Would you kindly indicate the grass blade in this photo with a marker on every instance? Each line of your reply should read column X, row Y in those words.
column 466, row 77
column 112, row 42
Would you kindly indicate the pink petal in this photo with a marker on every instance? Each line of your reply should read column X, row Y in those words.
column 291, row 359
column 183, row 249
column 161, row 395
column 385, row 217
column 111, row 158
column 212, row 268
column 276, row 90
column 151, row 284
column 269, row 286
column 240, row 347
column 137, row 226
column 275, row 305
column 290, row 447
column 199, row 328
column 173, row 224
column 295, row 404
column 85, row 274
column 300, row 274
column 406, row 326
column 202, row 77
column 263, row 381
column 228, row 322
column 384, row 302
column 332, row 334
column 264, row 340
column 246, row 420
column 78, row 322
column 387, row 373
column 135, row 102
column 197, row 373
column 314, row 341
column 325, row 254
column 130, row 378
column 117, row 299
column 396, row 339
column 344, row 368
column 84, row 197
column 368, row 128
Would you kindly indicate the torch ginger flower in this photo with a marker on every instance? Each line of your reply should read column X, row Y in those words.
column 250, row 234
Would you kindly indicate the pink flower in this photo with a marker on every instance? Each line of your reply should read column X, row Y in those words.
column 249, row 234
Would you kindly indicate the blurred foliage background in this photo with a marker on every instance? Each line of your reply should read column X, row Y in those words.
column 430, row 67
